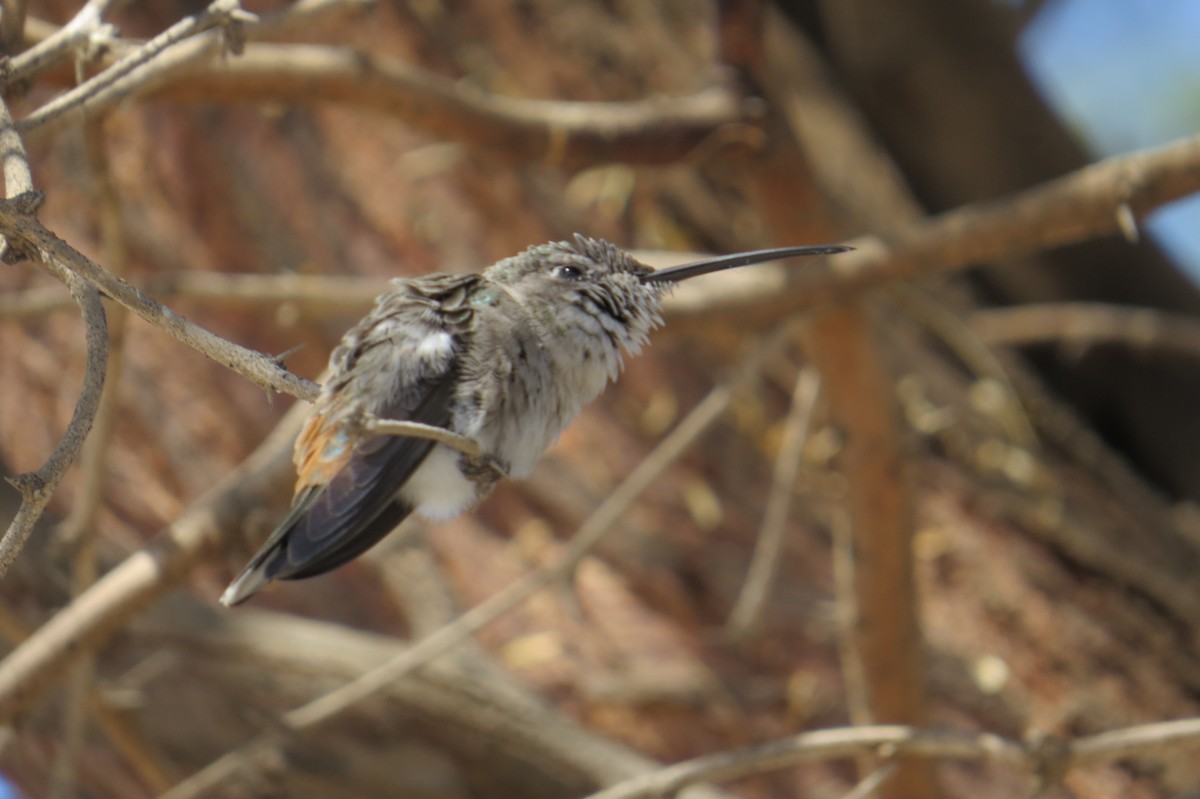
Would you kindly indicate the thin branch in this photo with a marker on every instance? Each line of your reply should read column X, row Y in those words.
column 765, row 563
column 87, row 26
column 330, row 705
column 37, row 487
column 331, row 294
column 218, row 13
column 1146, row 740
column 24, row 231
column 1088, row 324
column 80, row 682
column 873, row 781
column 80, row 522
column 86, row 31
column 316, row 295
column 78, row 531
column 33, row 303
column 508, row 129
column 895, row 741
column 18, row 179
column 833, row 744
column 1077, row 207
column 570, row 134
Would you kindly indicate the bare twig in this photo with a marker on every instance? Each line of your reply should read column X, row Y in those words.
column 85, row 27
column 76, row 704
column 34, row 240
column 219, row 12
column 1146, row 740
column 81, row 520
column 78, row 530
column 87, row 32
column 871, row 783
column 834, row 744
column 37, row 487
column 34, row 302
column 896, row 741
column 509, row 129
column 18, row 179
column 314, row 293
column 581, row 543
column 1076, row 207
column 1084, row 324
column 765, row 563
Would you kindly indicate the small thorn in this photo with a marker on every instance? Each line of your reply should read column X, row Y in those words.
column 280, row 360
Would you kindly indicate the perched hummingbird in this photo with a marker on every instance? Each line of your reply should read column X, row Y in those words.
column 504, row 359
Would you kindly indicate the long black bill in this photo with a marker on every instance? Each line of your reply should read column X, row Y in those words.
column 674, row 274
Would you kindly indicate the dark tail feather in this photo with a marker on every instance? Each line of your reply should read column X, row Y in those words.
column 272, row 561
column 350, row 548
column 253, row 579
column 338, row 521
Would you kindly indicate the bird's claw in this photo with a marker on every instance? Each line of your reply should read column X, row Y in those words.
column 486, row 466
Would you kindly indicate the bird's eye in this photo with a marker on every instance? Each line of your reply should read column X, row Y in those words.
column 568, row 272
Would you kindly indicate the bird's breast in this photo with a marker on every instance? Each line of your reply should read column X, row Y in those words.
column 522, row 385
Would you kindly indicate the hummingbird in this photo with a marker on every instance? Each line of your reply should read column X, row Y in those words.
column 502, row 360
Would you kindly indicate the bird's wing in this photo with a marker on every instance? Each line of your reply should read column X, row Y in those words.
column 400, row 362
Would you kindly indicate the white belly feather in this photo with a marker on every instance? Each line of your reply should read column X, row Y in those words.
column 437, row 490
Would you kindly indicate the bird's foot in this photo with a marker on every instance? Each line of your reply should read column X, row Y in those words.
column 485, row 468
